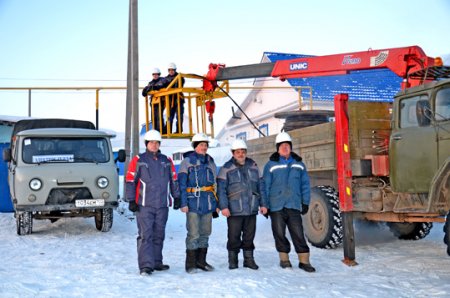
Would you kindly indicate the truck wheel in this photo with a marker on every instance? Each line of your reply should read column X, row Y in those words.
column 447, row 233
column 24, row 223
column 410, row 230
column 322, row 223
column 104, row 219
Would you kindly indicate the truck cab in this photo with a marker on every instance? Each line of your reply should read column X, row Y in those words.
column 61, row 168
column 420, row 145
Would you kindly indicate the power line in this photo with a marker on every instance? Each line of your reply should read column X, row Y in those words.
column 66, row 80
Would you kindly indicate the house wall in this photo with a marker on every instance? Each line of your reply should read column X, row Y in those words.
column 260, row 106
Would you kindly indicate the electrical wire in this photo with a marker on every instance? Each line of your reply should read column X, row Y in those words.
column 237, row 105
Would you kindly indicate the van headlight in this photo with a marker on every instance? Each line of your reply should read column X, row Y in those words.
column 35, row 184
column 102, row 182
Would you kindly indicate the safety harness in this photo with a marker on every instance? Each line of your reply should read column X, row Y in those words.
column 197, row 189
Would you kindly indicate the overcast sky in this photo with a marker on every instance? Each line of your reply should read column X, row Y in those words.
column 84, row 42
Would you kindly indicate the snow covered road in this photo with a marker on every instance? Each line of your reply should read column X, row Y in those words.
column 70, row 258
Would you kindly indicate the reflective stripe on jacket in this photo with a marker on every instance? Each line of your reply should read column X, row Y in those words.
column 149, row 179
column 286, row 182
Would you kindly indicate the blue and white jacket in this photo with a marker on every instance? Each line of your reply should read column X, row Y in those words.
column 197, row 170
column 287, row 182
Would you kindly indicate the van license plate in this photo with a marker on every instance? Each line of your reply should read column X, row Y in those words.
column 90, row 203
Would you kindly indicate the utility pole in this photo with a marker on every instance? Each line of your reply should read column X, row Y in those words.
column 132, row 104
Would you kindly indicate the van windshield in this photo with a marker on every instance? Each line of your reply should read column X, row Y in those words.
column 65, row 150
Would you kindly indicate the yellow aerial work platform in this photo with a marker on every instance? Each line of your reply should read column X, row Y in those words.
column 195, row 97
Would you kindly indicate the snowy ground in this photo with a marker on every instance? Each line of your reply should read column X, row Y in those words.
column 70, row 258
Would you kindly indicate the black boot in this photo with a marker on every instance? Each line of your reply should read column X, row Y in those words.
column 249, row 260
column 304, row 263
column 191, row 260
column 232, row 259
column 201, row 259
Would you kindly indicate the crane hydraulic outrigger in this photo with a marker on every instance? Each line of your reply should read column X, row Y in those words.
column 399, row 204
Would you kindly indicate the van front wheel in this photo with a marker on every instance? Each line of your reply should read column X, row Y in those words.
column 104, row 219
column 24, row 223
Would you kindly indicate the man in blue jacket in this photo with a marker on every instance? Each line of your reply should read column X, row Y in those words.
column 197, row 178
column 149, row 177
column 241, row 194
column 288, row 192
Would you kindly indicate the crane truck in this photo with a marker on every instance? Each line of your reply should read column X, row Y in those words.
column 383, row 162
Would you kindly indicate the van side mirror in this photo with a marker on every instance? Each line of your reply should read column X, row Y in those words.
column 423, row 112
column 7, row 154
column 121, row 156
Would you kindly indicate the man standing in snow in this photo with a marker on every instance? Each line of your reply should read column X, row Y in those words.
column 288, row 192
column 197, row 178
column 241, row 195
column 148, row 179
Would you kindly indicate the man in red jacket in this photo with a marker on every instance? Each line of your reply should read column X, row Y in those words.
column 148, row 179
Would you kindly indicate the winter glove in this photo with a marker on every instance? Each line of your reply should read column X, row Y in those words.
column 145, row 91
column 305, row 209
column 133, row 207
column 215, row 214
column 176, row 203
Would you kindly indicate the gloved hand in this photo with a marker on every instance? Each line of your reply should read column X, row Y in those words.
column 215, row 214
column 176, row 203
column 133, row 207
column 305, row 209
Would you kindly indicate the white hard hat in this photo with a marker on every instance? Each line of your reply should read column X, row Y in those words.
column 283, row 137
column 200, row 137
column 156, row 70
column 238, row 144
column 172, row 66
column 152, row 135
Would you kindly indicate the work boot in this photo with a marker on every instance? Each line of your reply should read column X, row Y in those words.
column 232, row 259
column 191, row 260
column 304, row 262
column 284, row 260
column 201, row 259
column 161, row 267
column 249, row 260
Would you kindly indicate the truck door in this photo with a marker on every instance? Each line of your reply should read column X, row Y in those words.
column 413, row 147
column 442, row 116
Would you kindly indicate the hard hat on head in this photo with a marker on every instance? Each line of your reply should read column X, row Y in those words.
column 198, row 138
column 238, row 144
column 152, row 135
column 172, row 66
column 283, row 137
column 156, row 70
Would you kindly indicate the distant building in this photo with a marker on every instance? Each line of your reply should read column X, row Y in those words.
column 261, row 105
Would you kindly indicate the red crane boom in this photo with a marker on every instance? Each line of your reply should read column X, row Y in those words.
column 401, row 61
